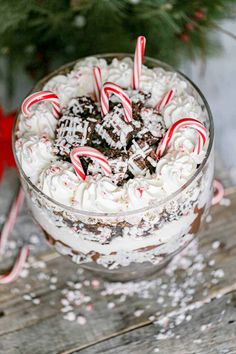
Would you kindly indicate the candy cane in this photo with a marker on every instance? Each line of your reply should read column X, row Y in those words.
column 17, row 268
column 11, row 219
column 138, row 60
column 97, row 79
column 90, row 152
column 165, row 100
column 39, row 97
column 183, row 123
column 108, row 88
column 218, row 193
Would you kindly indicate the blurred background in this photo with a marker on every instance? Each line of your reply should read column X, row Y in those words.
column 198, row 37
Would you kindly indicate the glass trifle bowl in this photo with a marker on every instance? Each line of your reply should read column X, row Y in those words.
column 140, row 239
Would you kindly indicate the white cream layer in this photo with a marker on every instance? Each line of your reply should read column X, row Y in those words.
column 175, row 229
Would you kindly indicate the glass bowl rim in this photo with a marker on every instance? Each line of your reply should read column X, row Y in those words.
column 134, row 212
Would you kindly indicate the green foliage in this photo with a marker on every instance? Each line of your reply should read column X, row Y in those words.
column 41, row 34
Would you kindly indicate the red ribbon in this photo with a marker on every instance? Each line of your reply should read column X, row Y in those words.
column 6, row 154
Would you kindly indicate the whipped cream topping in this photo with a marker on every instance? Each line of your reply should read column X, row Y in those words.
column 100, row 195
column 186, row 140
column 150, row 83
column 64, row 86
column 159, row 82
column 34, row 153
column 171, row 80
column 180, row 107
column 141, row 192
column 120, row 72
column 41, row 121
column 174, row 169
column 83, row 72
column 78, row 82
column 58, row 180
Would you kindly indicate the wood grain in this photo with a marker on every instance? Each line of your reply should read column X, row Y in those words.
column 188, row 338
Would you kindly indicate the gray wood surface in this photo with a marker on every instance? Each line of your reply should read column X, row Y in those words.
column 178, row 310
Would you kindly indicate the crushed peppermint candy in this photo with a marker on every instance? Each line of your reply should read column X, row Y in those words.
column 215, row 245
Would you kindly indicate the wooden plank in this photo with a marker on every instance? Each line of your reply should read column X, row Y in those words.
column 211, row 332
column 42, row 329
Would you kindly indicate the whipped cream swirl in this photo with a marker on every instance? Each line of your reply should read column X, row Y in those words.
column 174, row 169
column 186, row 140
column 59, row 182
column 159, row 82
column 41, row 121
column 120, row 72
column 100, row 195
column 34, row 153
column 64, row 86
column 83, row 72
column 141, row 192
column 181, row 107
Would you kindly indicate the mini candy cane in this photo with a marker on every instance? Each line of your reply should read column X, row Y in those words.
column 165, row 100
column 39, row 97
column 138, row 60
column 183, row 123
column 11, row 219
column 97, row 78
column 218, row 193
column 16, row 270
column 109, row 87
column 90, row 152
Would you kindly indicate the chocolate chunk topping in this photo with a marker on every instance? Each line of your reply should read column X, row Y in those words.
column 76, row 125
column 114, row 130
column 129, row 147
column 141, row 149
column 83, row 107
column 139, row 157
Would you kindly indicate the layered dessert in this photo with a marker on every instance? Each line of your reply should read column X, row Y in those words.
column 111, row 187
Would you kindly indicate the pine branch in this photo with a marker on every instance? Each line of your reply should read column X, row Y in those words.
column 38, row 35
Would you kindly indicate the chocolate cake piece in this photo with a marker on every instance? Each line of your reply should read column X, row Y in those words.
column 138, row 98
column 153, row 127
column 119, row 165
column 138, row 138
column 82, row 107
column 114, row 130
column 76, row 125
column 140, row 161
column 141, row 151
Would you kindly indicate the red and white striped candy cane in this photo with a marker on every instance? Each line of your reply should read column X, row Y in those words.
column 90, row 152
column 165, row 100
column 97, row 79
column 138, row 60
column 183, row 123
column 39, row 97
column 17, row 268
column 11, row 219
column 109, row 88
column 218, row 192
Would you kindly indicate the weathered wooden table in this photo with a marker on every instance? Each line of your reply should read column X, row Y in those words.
column 55, row 307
